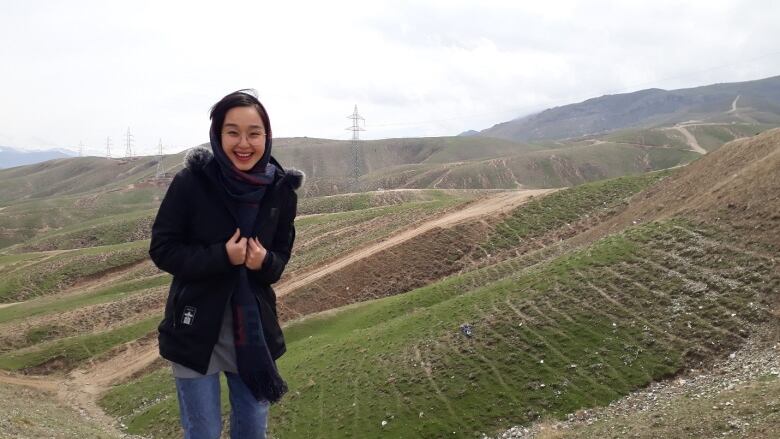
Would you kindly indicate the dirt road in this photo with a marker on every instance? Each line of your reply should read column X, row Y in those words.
column 491, row 205
column 81, row 388
column 692, row 142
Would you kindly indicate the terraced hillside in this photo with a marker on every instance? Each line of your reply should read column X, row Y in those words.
column 572, row 299
column 553, row 328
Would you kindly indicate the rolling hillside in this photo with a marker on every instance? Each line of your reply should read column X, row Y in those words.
column 576, row 305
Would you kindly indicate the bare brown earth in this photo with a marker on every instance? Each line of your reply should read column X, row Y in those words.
column 440, row 247
column 492, row 205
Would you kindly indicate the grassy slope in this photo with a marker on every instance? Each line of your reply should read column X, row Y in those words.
column 114, row 229
column 366, row 200
column 580, row 330
column 564, row 166
column 31, row 219
column 712, row 137
column 55, row 304
column 62, row 270
column 66, row 353
column 323, row 237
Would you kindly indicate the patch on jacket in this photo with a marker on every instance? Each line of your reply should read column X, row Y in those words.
column 188, row 317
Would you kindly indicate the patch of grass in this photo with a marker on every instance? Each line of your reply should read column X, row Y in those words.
column 110, row 230
column 54, row 304
column 566, row 206
column 69, row 352
column 712, row 137
column 65, row 269
column 42, row 333
column 649, row 137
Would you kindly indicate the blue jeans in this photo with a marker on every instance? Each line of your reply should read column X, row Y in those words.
column 200, row 408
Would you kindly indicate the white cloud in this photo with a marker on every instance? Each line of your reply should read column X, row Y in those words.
column 85, row 70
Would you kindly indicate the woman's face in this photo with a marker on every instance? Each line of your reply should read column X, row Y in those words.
column 243, row 137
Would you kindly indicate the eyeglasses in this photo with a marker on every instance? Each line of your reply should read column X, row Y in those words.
column 253, row 138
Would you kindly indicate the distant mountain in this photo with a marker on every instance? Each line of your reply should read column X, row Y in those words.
column 756, row 102
column 11, row 157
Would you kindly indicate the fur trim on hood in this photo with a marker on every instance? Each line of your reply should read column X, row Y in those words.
column 198, row 157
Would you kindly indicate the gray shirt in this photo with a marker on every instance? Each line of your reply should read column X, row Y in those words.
column 223, row 357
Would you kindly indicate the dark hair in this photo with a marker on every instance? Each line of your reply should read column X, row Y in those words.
column 240, row 98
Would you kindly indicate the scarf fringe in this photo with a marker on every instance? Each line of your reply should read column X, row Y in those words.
column 266, row 386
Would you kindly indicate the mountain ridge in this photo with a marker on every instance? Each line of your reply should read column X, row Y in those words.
column 648, row 108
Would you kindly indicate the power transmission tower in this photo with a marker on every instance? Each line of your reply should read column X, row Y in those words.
column 81, row 149
column 160, row 169
column 128, row 144
column 356, row 129
column 108, row 147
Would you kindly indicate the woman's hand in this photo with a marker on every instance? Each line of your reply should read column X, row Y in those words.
column 236, row 248
column 255, row 254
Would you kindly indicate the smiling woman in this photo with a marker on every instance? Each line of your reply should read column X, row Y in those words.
column 225, row 231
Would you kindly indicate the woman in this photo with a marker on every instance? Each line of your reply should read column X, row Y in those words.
column 225, row 232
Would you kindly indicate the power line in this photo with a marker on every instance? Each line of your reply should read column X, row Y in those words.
column 356, row 129
column 128, row 144
column 160, row 169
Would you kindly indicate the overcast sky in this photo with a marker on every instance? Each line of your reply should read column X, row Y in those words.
column 81, row 71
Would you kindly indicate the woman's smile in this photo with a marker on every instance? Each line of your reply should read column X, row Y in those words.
column 243, row 156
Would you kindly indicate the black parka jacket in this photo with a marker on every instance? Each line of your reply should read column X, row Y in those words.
column 188, row 240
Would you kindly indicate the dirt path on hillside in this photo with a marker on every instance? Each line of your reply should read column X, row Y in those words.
column 36, row 382
column 81, row 388
column 6, row 305
column 692, row 142
column 489, row 206
column 734, row 105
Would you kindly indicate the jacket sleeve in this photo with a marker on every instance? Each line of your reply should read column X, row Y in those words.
column 281, row 248
column 169, row 247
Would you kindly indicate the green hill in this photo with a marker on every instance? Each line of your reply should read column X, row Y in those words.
column 663, row 282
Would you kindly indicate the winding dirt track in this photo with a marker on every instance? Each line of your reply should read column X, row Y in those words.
column 692, row 142
column 489, row 206
column 81, row 388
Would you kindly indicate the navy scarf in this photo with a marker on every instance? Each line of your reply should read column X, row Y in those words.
column 245, row 190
